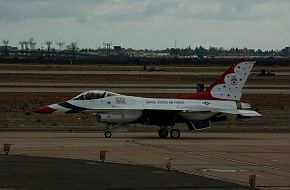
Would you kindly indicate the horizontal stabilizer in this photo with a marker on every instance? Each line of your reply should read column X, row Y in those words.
column 249, row 113
column 245, row 113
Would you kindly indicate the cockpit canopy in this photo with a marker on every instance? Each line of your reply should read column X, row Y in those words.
column 94, row 94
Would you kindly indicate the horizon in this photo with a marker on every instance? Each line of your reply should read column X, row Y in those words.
column 55, row 46
column 160, row 24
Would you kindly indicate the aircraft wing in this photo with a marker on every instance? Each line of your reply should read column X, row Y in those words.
column 245, row 113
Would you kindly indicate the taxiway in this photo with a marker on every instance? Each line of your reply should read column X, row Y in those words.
column 228, row 157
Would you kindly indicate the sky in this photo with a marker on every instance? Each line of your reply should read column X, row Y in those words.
column 149, row 24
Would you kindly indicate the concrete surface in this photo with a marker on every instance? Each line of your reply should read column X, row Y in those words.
column 91, row 72
column 47, row 72
column 27, row 172
column 223, row 156
column 132, row 90
column 123, row 85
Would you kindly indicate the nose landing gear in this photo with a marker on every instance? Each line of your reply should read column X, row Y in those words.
column 111, row 127
column 108, row 134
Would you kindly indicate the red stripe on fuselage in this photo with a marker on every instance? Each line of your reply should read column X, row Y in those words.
column 198, row 96
column 44, row 110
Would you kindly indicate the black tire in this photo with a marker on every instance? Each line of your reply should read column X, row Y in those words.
column 163, row 133
column 175, row 133
column 108, row 134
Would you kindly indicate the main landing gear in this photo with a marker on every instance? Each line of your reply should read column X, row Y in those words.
column 163, row 133
column 174, row 133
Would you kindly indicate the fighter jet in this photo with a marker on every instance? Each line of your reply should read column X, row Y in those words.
column 196, row 110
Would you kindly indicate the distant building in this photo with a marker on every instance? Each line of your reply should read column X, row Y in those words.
column 10, row 50
column 155, row 55
column 117, row 48
column 287, row 51
column 119, row 51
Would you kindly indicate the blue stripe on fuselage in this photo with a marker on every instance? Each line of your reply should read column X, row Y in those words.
column 74, row 109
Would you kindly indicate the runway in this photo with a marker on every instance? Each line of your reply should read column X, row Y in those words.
column 123, row 85
column 130, row 90
column 225, row 156
column 92, row 72
column 47, row 72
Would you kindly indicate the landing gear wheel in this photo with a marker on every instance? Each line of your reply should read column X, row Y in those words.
column 175, row 133
column 163, row 133
column 108, row 134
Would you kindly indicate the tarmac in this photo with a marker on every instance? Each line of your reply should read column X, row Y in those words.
column 123, row 85
column 225, row 157
column 31, row 172
column 130, row 90
column 72, row 72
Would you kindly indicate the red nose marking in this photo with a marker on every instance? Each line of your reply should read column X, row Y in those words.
column 44, row 110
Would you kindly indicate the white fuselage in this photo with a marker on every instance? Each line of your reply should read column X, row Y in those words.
column 139, row 103
column 125, row 109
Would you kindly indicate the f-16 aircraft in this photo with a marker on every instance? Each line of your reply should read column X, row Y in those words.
column 197, row 110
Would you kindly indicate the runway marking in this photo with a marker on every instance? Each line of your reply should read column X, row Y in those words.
column 159, row 172
column 222, row 170
column 217, row 157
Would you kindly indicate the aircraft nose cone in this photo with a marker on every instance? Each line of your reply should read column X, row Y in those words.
column 44, row 110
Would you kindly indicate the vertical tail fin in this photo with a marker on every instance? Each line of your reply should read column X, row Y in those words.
column 229, row 85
